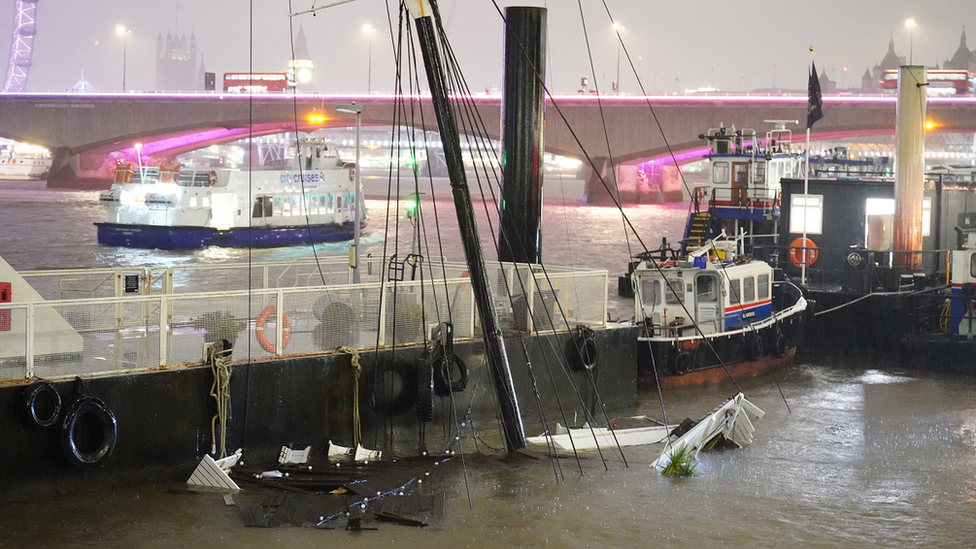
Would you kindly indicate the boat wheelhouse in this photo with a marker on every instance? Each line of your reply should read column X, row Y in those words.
column 313, row 199
column 714, row 309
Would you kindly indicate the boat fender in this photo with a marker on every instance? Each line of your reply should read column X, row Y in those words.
column 394, row 388
column 754, row 347
column 582, row 350
column 425, row 391
column 259, row 329
column 88, row 433
column 42, row 404
column 682, row 363
column 444, row 384
column 780, row 346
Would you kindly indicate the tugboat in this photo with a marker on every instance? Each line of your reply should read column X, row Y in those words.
column 168, row 207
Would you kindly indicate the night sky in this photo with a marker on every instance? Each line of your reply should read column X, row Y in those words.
column 742, row 45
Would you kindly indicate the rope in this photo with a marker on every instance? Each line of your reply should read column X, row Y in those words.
column 220, row 363
column 357, row 371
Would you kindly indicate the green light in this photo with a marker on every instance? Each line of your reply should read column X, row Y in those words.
column 412, row 203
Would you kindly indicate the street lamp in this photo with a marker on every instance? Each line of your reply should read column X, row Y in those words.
column 910, row 25
column 124, row 32
column 353, row 108
column 369, row 30
column 617, row 27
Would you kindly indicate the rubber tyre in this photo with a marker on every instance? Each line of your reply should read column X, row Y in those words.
column 583, row 353
column 780, row 346
column 754, row 347
column 444, row 384
column 42, row 403
column 88, row 417
column 394, row 389
column 682, row 363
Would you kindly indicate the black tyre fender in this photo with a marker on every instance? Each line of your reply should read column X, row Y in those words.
column 682, row 362
column 394, row 388
column 582, row 350
column 444, row 383
column 780, row 345
column 42, row 404
column 754, row 347
column 89, row 433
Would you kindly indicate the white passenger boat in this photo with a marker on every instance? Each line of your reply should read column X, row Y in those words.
column 19, row 165
column 313, row 199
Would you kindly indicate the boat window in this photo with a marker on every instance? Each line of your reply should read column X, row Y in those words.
column 268, row 207
column 193, row 202
column 880, row 214
column 338, row 204
column 328, row 204
column 735, row 291
column 277, row 206
column 705, row 288
column 748, row 289
column 740, row 173
column 806, row 209
column 651, row 291
column 258, row 207
column 762, row 287
column 926, row 216
column 206, row 202
column 674, row 292
column 720, row 172
column 972, row 266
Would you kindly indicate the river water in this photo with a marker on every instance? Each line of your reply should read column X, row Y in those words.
column 866, row 456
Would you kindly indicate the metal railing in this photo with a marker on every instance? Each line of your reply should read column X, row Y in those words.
column 144, row 331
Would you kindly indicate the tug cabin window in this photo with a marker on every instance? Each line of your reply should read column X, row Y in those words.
column 806, row 214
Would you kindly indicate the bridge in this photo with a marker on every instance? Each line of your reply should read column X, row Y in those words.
column 82, row 129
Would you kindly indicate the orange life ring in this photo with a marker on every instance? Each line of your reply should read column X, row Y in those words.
column 352, row 174
column 259, row 329
column 803, row 251
column 213, row 178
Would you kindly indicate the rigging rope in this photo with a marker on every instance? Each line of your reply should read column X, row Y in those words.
column 220, row 363
column 357, row 371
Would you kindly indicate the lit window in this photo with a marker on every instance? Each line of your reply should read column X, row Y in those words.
column 806, row 209
column 720, row 173
column 193, row 202
column 763, row 287
column 926, row 216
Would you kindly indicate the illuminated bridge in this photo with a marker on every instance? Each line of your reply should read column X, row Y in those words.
column 83, row 129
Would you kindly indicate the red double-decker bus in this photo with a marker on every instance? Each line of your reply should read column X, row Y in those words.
column 258, row 82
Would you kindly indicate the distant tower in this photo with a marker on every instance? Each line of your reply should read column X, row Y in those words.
column 176, row 61
column 302, row 68
column 963, row 60
column 21, row 46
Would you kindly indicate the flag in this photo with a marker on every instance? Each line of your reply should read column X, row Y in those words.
column 814, row 97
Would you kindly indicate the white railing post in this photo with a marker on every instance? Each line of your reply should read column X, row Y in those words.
column 164, row 323
column 29, row 341
column 279, row 323
column 606, row 282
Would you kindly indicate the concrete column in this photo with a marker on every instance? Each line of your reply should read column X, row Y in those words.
column 910, row 164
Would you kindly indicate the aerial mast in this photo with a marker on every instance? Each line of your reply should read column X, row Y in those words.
column 21, row 46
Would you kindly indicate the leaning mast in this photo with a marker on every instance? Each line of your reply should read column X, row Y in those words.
column 501, row 372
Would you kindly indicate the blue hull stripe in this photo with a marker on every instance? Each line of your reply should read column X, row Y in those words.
column 735, row 319
column 175, row 238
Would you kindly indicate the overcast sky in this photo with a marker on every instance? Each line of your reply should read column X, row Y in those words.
column 731, row 45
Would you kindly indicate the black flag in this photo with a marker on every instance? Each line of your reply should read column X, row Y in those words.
column 814, row 97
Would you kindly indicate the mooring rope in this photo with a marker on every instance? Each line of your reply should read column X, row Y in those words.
column 357, row 371
column 220, row 363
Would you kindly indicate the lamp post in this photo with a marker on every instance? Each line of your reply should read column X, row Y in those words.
column 369, row 30
column 125, row 34
column 353, row 108
column 617, row 27
column 910, row 25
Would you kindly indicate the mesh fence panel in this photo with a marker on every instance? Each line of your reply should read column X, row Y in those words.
column 77, row 284
column 13, row 342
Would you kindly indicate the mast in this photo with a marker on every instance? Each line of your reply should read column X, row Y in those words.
column 495, row 354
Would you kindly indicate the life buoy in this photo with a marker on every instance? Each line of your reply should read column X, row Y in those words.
column 682, row 363
column 803, row 251
column 394, row 389
column 259, row 329
column 754, row 347
column 43, row 404
column 213, row 178
column 582, row 350
column 780, row 345
column 444, row 382
column 88, row 433
column 352, row 174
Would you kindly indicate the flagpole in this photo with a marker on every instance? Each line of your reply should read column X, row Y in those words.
column 806, row 192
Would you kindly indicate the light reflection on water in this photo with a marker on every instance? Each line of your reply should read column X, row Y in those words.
column 867, row 458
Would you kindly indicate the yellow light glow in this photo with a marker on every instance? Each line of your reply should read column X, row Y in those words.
column 930, row 125
column 315, row 118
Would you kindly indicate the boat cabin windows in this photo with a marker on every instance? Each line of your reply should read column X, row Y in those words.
column 651, row 291
column 674, row 292
column 749, row 289
column 720, row 173
column 806, row 214
column 762, row 287
column 735, row 290
column 740, row 183
column 706, row 289
column 972, row 266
